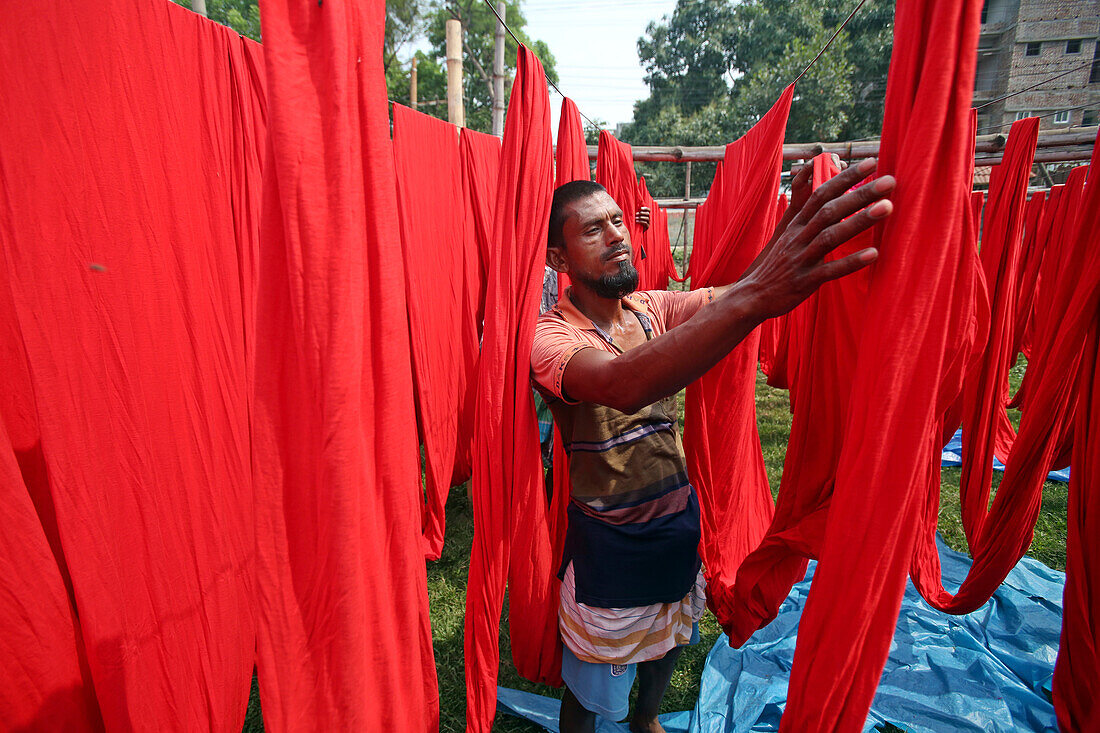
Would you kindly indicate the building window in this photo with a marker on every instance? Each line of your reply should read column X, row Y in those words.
column 1022, row 116
column 1061, row 118
column 1033, row 48
column 1073, row 46
column 1088, row 119
column 985, row 11
column 1094, row 75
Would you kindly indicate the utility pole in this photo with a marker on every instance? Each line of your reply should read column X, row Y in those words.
column 412, row 83
column 456, row 113
column 498, row 73
column 199, row 6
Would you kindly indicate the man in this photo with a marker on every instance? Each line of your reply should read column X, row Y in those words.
column 610, row 362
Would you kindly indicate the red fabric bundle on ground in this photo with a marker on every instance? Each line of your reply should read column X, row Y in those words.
column 511, row 524
column 344, row 636
column 1077, row 672
column 721, row 442
column 128, row 545
column 435, row 253
column 480, row 155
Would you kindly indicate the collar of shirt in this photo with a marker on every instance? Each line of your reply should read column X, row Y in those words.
column 568, row 312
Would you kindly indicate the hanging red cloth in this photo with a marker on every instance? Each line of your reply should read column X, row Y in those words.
column 480, row 155
column 441, row 313
column 1007, row 530
column 345, row 641
column 1029, row 273
column 861, row 518
column 986, row 429
column 1077, row 672
column 721, row 442
column 125, row 454
column 511, row 522
column 571, row 153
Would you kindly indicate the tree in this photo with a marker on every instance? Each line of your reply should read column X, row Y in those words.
column 479, row 26
column 243, row 16
column 714, row 68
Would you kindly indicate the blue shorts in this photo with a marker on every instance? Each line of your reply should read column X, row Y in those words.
column 603, row 689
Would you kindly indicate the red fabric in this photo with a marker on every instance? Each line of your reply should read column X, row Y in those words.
column 855, row 503
column 442, row 316
column 721, row 442
column 511, row 523
column 772, row 330
column 124, row 438
column 571, row 155
column 1006, row 532
column 345, row 641
column 1052, row 275
column 985, row 421
column 790, row 332
column 480, row 155
column 1029, row 272
column 1077, row 671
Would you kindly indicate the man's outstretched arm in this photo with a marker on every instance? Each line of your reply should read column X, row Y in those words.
column 789, row 270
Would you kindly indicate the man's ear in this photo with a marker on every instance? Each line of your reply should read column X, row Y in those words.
column 555, row 259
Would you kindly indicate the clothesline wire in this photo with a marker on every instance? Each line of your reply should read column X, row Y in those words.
column 1037, row 84
column 519, row 42
column 830, row 41
column 1048, row 114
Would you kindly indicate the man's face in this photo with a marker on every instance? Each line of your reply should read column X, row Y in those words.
column 597, row 248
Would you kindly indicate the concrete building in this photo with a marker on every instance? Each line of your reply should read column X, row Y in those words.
column 1053, row 45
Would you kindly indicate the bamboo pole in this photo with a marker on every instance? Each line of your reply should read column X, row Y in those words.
column 1069, row 141
column 456, row 113
column 498, row 73
column 412, row 83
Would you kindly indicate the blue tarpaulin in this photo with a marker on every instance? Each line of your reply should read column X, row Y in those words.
column 952, row 456
column 986, row 671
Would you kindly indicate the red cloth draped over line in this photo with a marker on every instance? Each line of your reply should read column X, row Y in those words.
column 1058, row 220
column 437, row 260
column 570, row 164
column 771, row 331
column 986, row 427
column 857, row 500
column 721, row 442
column 480, row 156
column 571, row 153
column 1032, row 258
column 344, row 636
column 511, row 520
column 652, row 248
column 788, row 334
column 1006, row 532
column 1077, row 671
column 124, row 437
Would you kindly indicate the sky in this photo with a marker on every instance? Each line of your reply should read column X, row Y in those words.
column 595, row 45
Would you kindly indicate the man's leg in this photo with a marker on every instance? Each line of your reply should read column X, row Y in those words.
column 653, row 679
column 573, row 718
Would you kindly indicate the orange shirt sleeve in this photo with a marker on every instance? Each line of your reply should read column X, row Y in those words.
column 555, row 344
column 674, row 307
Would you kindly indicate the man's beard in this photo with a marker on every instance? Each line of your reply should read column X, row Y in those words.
column 623, row 282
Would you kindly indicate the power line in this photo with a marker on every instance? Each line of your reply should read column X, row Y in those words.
column 1037, row 84
column 1048, row 114
column 521, row 43
column 830, row 42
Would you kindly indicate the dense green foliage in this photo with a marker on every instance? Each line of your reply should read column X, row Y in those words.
column 714, row 68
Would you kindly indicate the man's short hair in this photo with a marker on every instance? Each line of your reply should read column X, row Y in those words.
column 564, row 195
